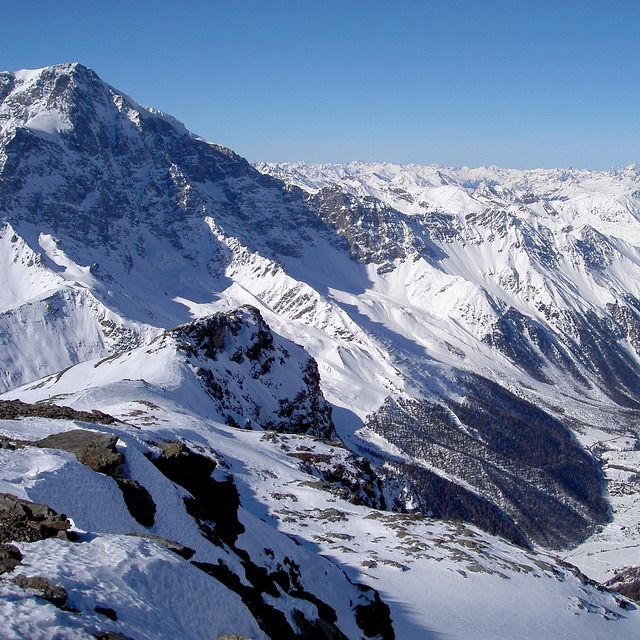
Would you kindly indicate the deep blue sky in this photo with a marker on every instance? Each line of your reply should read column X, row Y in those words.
column 518, row 83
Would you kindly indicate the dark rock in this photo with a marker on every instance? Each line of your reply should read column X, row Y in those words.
column 213, row 501
column 94, row 449
column 352, row 479
column 108, row 612
column 214, row 505
column 374, row 618
column 172, row 545
column 183, row 466
column 312, row 629
column 308, row 412
column 372, row 615
column 271, row 620
column 7, row 443
column 217, row 502
column 98, row 451
column 24, row 521
column 257, row 355
column 372, row 231
column 138, row 500
column 44, row 589
column 13, row 409
column 110, row 635
column 627, row 583
column 10, row 557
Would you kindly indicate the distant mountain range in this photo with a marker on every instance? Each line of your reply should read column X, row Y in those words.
column 326, row 388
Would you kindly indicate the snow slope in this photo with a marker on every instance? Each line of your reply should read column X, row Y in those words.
column 440, row 579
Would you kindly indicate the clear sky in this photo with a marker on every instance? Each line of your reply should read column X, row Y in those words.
column 516, row 83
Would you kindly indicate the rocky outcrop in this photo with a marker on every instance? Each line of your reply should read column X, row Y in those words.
column 254, row 377
column 138, row 500
column 120, row 164
column 54, row 594
column 97, row 451
column 93, row 449
column 10, row 557
column 13, row 409
column 24, row 521
column 215, row 505
column 350, row 477
column 372, row 232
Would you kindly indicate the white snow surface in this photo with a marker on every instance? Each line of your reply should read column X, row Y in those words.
column 441, row 580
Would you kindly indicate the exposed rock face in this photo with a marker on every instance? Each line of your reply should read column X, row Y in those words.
column 544, row 255
column 255, row 377
column 138, row 500
column 97, row 123
column 372, row 232
column 184, row 466
column 12, row 409
column 109, row 183
column 372, row 615
column 93, row 449
column 215, row 504
column 109, row 186
column 627, row 583
column 23, row 521
column 107, row 612
column 10, row 557
column 97, row 451
column 121, row 164
column 351, row 478
column 54, row 594
column 374, row 619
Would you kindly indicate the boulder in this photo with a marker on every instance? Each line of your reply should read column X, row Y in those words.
column 10, row 558
column 24, row 521
column 94, row 449
column 44, row 589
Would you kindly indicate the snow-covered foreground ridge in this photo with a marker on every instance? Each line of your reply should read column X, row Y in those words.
column 185, row 527
column 474, row 336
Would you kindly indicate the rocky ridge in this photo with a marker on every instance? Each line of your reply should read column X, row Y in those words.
column 212, row 502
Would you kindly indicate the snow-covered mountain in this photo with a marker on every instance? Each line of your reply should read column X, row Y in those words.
column 541, row 266
column 471, row 342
